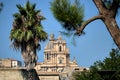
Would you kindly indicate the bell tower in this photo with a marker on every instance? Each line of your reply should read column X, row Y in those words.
column 56, row 52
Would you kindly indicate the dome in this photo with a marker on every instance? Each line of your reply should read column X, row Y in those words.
column 60, row 37
column 50, row 45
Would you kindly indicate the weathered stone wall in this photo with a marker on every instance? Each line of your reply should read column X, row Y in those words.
column 18, row 74
column 49, row 77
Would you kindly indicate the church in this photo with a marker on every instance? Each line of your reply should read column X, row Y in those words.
column 57, row 64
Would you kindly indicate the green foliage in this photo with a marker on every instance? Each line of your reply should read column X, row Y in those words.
column 69, row 15
column 108, row 3
column 111, row 63
column 71, row 36
column 80, row 75
column 86, row 75
column 27, row 27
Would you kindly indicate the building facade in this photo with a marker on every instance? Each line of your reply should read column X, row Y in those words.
column 57, row 64
column 9, row 63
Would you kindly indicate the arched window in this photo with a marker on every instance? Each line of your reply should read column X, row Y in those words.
column 48, row 56
column 60, row 48
column 60, row 61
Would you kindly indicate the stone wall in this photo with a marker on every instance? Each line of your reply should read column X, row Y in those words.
column 18, row 74
column 52, row 77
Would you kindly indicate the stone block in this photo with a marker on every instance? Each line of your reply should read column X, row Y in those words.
column 18, row 74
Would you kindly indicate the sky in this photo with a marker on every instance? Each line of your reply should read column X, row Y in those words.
column 93, row 46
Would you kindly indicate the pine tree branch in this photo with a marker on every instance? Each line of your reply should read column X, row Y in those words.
column 115, row 6
column 81, row 28
column 100, row 6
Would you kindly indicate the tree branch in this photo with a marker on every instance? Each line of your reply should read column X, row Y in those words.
column 114, row 7
column 81, row 28
column 100, row 5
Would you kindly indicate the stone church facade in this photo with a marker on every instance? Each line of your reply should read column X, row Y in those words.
column 57, row 64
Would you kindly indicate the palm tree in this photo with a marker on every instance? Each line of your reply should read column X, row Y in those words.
column 27, row 32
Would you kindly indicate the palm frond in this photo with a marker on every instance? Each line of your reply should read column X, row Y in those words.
column 42, row 35
column 33, row 6
column 21, row 10
column 29, row 35
column 28, row 6
column 24, row 26
column 16, row 15
column 16, row 45
column 38, row 47
column 19, row 6
column 17, row 34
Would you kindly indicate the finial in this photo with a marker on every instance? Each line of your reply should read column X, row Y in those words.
column 51, row 37
column 60, row 37
column 74, row 60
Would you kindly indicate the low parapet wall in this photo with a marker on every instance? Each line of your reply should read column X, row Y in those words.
column 18, row 74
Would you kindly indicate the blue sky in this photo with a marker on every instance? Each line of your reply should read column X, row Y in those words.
column 94, row 45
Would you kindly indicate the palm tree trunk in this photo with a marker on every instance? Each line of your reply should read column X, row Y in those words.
column 29, row 56
column 32, row 75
